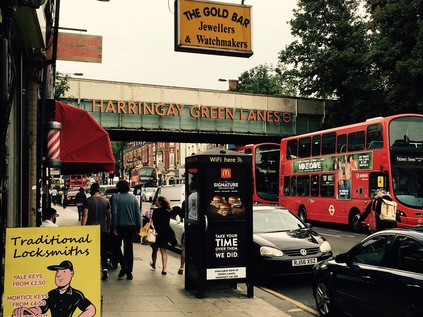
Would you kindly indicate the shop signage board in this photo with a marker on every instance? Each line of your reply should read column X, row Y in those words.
column 213, row 28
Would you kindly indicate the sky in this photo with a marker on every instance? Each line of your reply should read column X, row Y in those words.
column 138, row 42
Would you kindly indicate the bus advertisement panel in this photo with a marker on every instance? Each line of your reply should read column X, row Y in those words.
column 265, row 171
column 331, row 175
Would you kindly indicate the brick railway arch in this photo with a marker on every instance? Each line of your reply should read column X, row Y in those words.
column 141, row 112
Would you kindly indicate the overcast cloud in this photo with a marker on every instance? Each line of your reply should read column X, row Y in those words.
column 138, row 42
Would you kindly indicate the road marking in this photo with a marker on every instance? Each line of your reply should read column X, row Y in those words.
column 331, row 235
column 301, row 305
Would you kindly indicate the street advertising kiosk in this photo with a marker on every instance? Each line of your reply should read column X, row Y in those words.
column 218, row 220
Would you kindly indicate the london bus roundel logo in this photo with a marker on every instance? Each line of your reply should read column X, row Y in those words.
column 331, row 210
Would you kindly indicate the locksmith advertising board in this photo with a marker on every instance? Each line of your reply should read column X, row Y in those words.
column 52, row 271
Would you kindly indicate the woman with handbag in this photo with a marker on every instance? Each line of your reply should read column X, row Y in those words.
column 164, row 233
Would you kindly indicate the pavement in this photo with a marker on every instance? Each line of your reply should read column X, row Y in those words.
column 151, row 294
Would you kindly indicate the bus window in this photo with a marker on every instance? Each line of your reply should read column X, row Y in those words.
column 315, row 146
column 374, row 137
column 314, row 185
column 328, row 143
column 303, row 185
column 293, row 186
column 341, row 144
column 327, row 185
column 356, row 141
column 291, row 149
column 286, row 183
column 304, row 148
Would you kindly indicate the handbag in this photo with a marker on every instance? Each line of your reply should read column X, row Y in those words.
column 144, row 230
column 150, row 238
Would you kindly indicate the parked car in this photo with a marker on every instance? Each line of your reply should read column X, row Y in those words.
column 109, row 192
column 70, row 196
column 147, row 193
column 380, row 276
column 283, row 244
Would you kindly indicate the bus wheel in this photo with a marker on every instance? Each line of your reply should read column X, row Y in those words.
column 353, row 221
column 302, row 214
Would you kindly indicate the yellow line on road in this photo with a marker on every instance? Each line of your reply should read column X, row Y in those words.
column 301, row 305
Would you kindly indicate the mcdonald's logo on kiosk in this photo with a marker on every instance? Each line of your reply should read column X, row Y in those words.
column 225, row 173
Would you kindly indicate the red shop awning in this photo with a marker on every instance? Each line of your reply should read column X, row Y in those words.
column 84, row 144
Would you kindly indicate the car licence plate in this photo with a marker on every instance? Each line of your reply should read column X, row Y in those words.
column 304, row 262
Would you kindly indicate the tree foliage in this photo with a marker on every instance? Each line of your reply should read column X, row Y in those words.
column 61, row 85
column 264, row 79
column 366, row 54
column 328, row 59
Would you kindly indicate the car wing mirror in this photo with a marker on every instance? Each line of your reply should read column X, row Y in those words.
column 341, row 258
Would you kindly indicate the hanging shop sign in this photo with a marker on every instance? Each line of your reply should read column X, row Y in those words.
column 213, row 28
column 79, row 47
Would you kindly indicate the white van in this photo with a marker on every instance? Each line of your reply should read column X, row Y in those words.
column 174, row 193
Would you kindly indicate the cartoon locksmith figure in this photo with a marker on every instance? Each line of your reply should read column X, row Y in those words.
column 63, row 300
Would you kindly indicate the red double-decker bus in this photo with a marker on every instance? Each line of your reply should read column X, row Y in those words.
column 144, row 175
column 331, row 175
column 265, row 159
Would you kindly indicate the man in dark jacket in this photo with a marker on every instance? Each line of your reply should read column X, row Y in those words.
column 80, row 201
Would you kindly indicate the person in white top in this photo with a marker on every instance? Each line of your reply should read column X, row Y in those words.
column 49, row 218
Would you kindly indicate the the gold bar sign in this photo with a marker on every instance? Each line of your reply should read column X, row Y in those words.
column 213, row 28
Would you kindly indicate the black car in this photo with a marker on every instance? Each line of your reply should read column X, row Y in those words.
column 283, row 244
column 380, row 276
column 70, row 197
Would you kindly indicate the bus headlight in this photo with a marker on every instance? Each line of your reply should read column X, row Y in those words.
column 325, row 247
column 269, row 251
column 400, row 214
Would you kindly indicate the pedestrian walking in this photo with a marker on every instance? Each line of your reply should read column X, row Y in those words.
column 165, row 235
column 80, row 201
column 126, row 223
column 97, row 211
column 381, row 200
column 53, row 194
